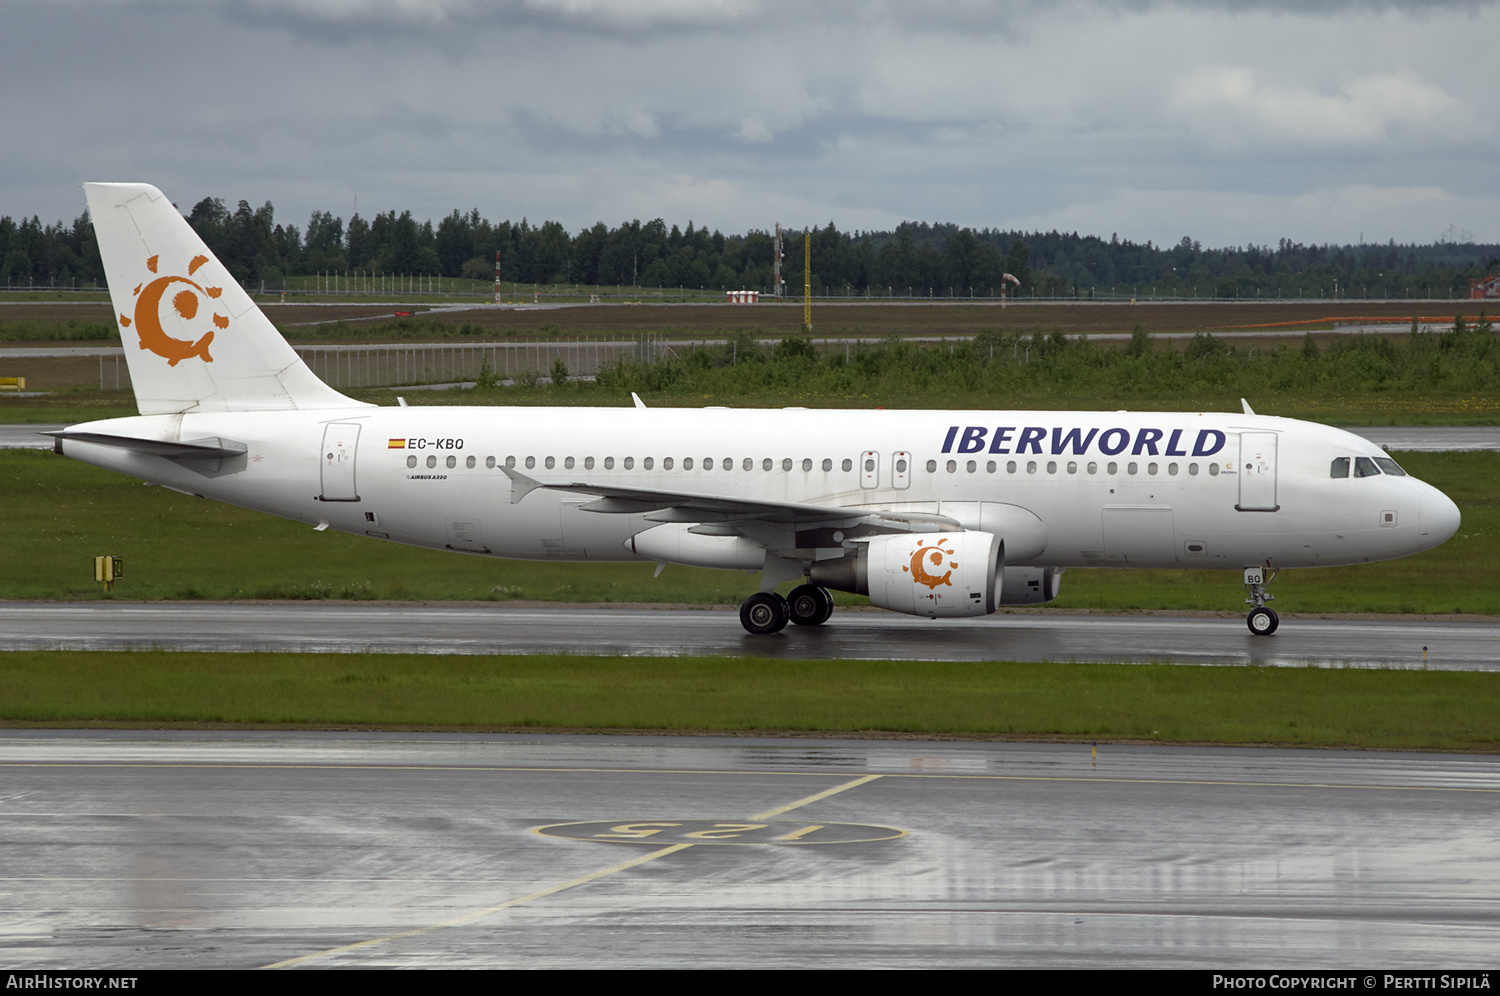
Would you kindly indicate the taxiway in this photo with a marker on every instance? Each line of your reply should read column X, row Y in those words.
column 247, row 850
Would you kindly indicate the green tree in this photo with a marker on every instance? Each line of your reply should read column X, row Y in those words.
column 1017, row 263
column 1140, row 341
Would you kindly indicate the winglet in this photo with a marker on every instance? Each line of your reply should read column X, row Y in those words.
column 637, row 399
column 1246, row 405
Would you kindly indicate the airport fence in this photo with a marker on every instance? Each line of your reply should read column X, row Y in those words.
column 426, row 365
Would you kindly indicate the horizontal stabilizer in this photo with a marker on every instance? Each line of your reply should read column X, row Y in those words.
column 209, row 448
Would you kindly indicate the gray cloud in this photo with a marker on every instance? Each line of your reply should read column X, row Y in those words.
column 743, row 112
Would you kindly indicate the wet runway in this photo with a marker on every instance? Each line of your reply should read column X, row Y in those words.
column 26, row 436
column 240, row 850
column 873, row 635
column 1432, row 438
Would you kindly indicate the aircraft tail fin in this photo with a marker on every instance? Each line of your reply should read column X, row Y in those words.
column 194, row 340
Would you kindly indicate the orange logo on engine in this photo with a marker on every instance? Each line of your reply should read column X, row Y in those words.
column 186, row 304
column 931, row 555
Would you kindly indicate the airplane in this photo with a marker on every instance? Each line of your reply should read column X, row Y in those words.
column 930, row 513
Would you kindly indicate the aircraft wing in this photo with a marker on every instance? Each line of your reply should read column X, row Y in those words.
column 659, row 505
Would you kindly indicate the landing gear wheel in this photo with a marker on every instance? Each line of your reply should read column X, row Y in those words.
column 809, row 605
column 1263, row 621
column 764, row 612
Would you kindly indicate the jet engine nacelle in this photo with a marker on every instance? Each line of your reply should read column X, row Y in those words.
column 922, row 574
column 1030, row 585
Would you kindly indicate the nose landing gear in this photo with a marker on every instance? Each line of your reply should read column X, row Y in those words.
column 1262, row 620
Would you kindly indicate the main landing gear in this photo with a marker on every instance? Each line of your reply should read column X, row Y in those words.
column 767, row 612
column 810, row 605
column 1262, row 620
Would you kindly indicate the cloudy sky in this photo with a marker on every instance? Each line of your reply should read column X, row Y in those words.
column 1229, row 121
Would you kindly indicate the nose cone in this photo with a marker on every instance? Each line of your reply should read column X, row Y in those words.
column 1438, row 517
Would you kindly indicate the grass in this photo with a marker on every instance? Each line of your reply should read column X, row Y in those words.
column 60, row 514
column 1161, row 703
column 1425, row 377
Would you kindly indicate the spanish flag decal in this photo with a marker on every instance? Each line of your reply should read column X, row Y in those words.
column 396, row 444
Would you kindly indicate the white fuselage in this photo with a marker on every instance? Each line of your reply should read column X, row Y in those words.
column 1108, row 489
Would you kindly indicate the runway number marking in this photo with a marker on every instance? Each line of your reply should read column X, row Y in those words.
column 573, row 883
column 711, row 832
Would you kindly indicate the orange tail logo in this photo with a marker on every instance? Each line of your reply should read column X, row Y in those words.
column 934, row 556
column 186, row 303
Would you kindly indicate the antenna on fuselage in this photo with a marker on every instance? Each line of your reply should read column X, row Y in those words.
column 1246, row 405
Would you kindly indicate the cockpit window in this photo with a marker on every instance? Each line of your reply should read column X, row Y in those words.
column 1365, row 467
column 1390, row 466
column 1340, row 467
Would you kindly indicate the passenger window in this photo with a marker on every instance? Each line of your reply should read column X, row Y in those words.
column 972, row 466
column 1213, row 470
column 1151, row 468
column 765, row 464
column 1093, row 467
column 1010, row 466
column 568, row 463
column 1051, row 466
column 489, row 463
column 1072, row 466
column 952, row 466
column 1171, row 470
column 469, row 463
column 1390, row 466
column 687, row 464
column 1131, row 467
column 588, row 463
column 1192, row 470
column 666, row 463
column 411, row 461
column 1339, row 467
column 549, row 463
column 786, row 463
column 609, row 463
column 646, row 464
column 628, row 463
column 749, row 464
column 1031, row 466
column 1112, row 468
column 1365, row 467
column 431, row 462
column 806, row 464
column 452, row 462
column 828, row 464
column 989, row 468
column 848, row 465
column 510, row 461
column 932, row 466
